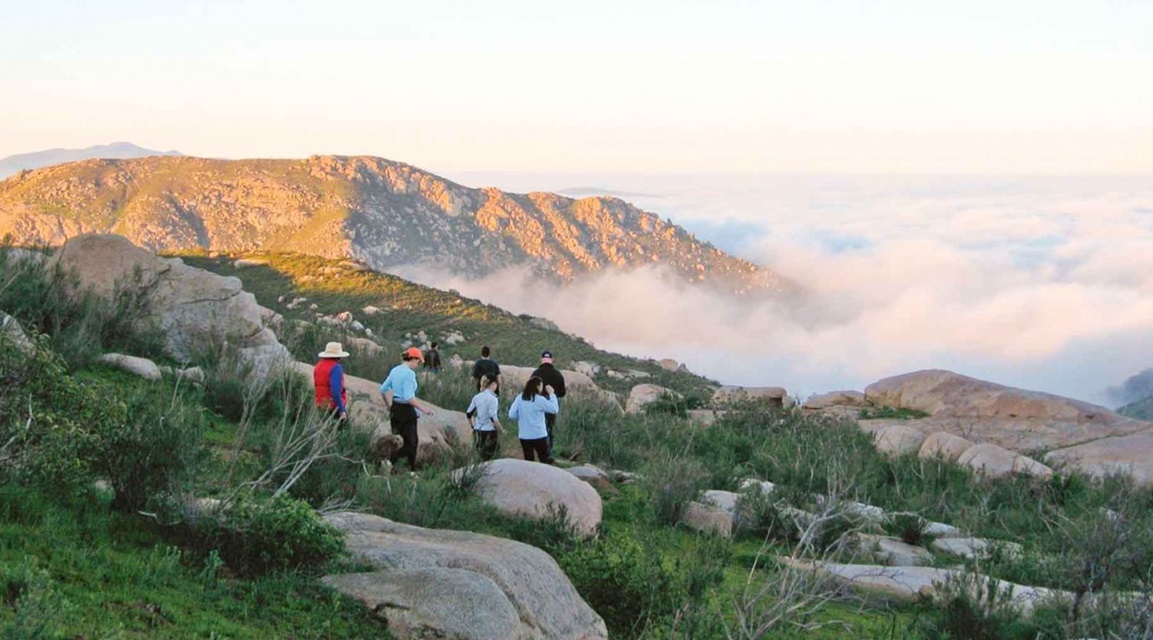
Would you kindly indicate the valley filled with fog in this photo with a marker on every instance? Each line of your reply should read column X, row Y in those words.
column 1043, row 283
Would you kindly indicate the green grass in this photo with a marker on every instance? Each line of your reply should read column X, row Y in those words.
column 890, row 413
column 107, row 575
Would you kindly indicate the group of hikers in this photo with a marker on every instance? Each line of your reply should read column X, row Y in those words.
column 534, row 409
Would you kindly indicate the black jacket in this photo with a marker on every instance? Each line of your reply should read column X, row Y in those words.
column 550, row 375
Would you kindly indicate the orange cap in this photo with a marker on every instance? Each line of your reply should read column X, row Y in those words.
column 414, row 352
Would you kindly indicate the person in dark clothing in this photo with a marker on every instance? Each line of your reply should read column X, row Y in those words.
column 486, row 367
column 432, row 358
column 552, row 377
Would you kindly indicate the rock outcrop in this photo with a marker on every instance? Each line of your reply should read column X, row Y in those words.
column 455, row 584
column 643, row 395
column 964, row 412
column 194, row 309
column 729, row 394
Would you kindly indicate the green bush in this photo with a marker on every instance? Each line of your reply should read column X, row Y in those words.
column 152, row 453
column 37, row 606
column 257, row 536
column 910, row 528
column 623, row 581
column 672, row 482
column 64, row 432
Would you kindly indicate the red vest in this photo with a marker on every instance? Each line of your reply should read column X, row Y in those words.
column 321, row 374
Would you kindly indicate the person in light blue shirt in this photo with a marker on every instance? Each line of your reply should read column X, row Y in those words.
column 529, row 410
column 399, row 391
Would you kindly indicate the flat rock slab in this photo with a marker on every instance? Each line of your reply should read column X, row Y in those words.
column 918, row 583
column 895, row 553
column 429, row 571
column 974, row 547
column 1128, row 454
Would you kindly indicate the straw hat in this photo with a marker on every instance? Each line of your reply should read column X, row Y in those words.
column 333, row 350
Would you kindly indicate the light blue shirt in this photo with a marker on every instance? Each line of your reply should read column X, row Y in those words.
column 402, row 382
column 530, row 415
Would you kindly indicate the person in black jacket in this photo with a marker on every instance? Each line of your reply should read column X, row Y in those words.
column 432, row 358
column 486, row 367
column 551, row 376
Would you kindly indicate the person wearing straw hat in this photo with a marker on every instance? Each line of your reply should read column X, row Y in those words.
column 328, row 379
column 399, row 391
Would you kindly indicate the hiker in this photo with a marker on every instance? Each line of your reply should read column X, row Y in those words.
column 482, row 416
column 486, row 366
column 399, row 391
column 432, row 359
column 529, row 410
column 328, row 379
column 552, row 377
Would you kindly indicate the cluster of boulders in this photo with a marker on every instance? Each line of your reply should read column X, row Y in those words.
column 993, row 428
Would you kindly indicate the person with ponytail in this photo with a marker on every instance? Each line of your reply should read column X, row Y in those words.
column 482, row 415
column 529, row 410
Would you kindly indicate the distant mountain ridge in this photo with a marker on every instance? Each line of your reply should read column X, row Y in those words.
column 37, row 159
column 385, row 213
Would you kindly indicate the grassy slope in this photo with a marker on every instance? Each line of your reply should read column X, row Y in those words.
column 410, row 308
column 97, row 574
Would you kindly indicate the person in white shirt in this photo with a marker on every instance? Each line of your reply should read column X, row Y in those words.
column 529, row 409
column 482, row 415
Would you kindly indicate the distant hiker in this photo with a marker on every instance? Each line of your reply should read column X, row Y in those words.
column 399, row 391
column 482, row 415
column 432, row 359
column 486, row 367
column 328, row 379
column 529, row 410
column 552, row 377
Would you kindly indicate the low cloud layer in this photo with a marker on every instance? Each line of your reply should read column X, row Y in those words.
column 1040, row 284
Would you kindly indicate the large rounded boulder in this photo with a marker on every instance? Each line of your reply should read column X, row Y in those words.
column 536, row 490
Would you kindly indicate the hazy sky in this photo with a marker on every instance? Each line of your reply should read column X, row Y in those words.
column 807, row 85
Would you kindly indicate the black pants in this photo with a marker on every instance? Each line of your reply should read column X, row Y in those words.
column 549, row 425
column 487, row 444
column 539, row 446
column 402, row 418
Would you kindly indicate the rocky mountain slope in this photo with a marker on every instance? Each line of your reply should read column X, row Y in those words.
column 48, row 157
column 381, row 212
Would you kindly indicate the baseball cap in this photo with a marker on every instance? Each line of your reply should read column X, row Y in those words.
column 414, row 352
column 546, row 355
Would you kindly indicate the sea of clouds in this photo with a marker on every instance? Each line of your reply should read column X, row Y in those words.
column 1043, row 283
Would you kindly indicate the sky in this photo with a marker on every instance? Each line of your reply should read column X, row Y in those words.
column 955, row 185
column 896, row 86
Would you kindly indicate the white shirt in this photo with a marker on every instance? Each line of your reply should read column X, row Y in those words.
column 486, row 406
